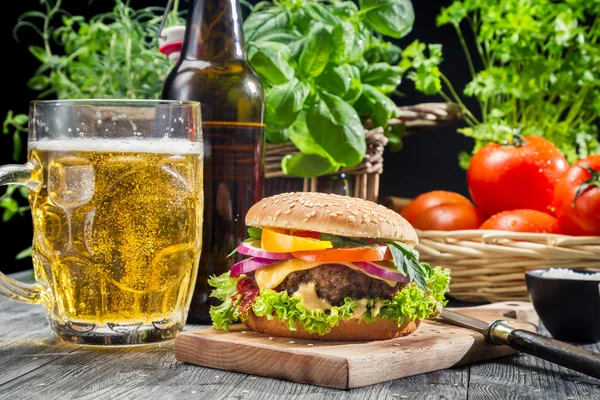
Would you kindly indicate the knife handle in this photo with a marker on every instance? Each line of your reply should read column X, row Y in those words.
column 552, row 350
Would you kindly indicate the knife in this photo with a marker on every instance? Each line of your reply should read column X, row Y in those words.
column 502, row 333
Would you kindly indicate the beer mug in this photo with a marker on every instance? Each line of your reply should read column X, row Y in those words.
column 116, row 196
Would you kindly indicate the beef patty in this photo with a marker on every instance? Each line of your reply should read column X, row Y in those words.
column 334, row 282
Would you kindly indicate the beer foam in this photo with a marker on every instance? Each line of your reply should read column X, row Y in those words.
column 157, row 146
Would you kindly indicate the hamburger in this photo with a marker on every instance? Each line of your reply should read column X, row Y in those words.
column 328, row 267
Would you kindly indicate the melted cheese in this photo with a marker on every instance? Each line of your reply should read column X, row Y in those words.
column 270, row 277
column 361, row 308
column 309, row 299
column 376, row 308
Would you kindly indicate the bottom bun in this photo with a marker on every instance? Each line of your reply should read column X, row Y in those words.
column 350, row 329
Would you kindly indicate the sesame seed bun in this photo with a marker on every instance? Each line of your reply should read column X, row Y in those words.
column 350, row 329
column 330, row 213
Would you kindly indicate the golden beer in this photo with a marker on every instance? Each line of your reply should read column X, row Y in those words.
column 117, row 230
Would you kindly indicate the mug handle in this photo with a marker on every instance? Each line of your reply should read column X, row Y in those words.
column 11, row 288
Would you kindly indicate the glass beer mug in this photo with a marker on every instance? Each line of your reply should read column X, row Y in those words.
column 117, row 202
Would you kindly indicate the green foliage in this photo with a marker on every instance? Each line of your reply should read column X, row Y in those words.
column 317, row 59
column 540, row 71
column 112, row 55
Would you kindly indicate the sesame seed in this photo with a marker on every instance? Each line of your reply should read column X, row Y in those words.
column 288, row 212
column 310, row 345
column 264, row 205
column 333, row 215
column 278, row 213
column 271, row 338
column 351, row 219
column 244, row 392
column 291, row 342
column 305, row 220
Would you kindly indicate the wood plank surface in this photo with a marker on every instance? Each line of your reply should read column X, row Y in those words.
column 347, row 365
column 34, row 366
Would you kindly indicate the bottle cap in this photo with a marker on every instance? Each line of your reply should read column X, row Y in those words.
column 171, row 42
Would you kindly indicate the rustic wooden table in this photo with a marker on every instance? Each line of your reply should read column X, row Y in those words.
column 33, row 365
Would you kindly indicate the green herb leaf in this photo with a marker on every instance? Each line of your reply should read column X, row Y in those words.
column 335, row 126
column 393, row 18
column 307, row 165
column 24, row 254
column 383, row 76
column 317, row 49
column 406, row 260
column 271, row 60
column 345, row 9
column 262, row 22
column 255, row 234
column 343, row 37
column 284, row 103
column 383, row 108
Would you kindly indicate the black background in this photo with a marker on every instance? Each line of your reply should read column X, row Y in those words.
column 427, row 162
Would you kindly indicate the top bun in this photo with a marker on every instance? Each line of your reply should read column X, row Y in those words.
column 333, row 214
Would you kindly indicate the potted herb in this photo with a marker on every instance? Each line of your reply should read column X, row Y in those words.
column 329, row 73
column 535, row 71
column 112, row 55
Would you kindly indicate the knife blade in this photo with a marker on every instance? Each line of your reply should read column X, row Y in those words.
column 502, row 333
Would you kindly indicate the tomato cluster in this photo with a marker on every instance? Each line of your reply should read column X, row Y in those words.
column 525, row 186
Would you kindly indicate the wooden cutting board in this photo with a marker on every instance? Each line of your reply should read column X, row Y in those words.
column 347, row 365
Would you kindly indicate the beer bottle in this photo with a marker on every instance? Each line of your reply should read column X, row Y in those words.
column 213, row 70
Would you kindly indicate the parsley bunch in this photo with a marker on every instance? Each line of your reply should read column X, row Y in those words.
column 539, row 75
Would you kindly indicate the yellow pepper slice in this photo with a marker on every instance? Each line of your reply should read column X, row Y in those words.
column 278, row 242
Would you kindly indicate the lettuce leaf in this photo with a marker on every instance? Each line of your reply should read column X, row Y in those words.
column 225, row 288
column 409, row 304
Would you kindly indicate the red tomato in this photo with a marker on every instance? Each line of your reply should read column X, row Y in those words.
column 522, row 221
column 308, row 234
column 345, row 255
column 431, row 199
column 520, row 176
column 579, row 215
column 449, row 217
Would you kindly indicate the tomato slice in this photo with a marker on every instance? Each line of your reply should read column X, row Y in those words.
column 279, row 242
column 308, row 234
column 379, row 253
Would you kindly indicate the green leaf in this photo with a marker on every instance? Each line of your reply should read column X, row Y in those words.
column 277, row 136
column 406, row 260
column 265, row 21
column 321, row 13
column 17, row 146
column 40, row 54
column 38, row 82
column 316, row 52
column 21, row 119
column 24, row 254
column 284, row 103
column 307, row 165
column 272, row 61
column 384, row 108
column 335, row 126
column 302, row 138
column 382, row 75
column 336, row 79
column 254, row 234
column 343, row 37
column 345, row 9
column 393, row 18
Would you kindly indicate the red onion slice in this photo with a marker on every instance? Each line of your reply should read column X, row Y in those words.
column 381, row 271
column 249, row 265
column 248, row 249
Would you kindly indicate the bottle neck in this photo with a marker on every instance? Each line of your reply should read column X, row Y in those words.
column 214, row 31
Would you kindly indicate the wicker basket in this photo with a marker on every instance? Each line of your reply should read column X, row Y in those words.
column 361, row 180
column 490, row 265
